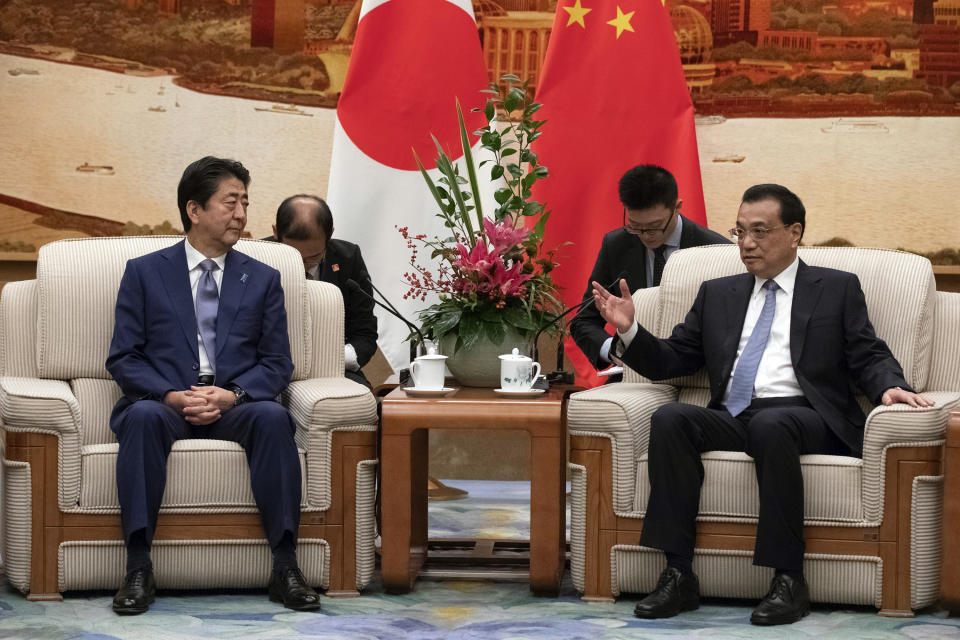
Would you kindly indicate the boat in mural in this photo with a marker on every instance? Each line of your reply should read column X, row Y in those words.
column 286, row 109
column 855, row 125
column 23, row 71
column 96, row 169
column 733, row 157
column 708, row 120
column 157, row 109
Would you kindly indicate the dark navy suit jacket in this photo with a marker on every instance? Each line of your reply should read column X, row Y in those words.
column 832, row 345
column 154, row 348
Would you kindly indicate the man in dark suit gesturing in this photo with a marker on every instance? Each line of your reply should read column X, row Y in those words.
column 200, row 350
column 781, row 345
column 305, row 223
column 652, row 230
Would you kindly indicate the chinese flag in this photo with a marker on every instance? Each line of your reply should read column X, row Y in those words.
column 614, row 96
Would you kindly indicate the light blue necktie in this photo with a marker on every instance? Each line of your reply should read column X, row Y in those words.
column 741, row 387
column 206, row 305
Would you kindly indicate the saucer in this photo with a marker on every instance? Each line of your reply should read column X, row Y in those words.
column 428, row 393
column 525, row 393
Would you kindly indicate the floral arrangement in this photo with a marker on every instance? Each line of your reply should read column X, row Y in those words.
column 493, row 274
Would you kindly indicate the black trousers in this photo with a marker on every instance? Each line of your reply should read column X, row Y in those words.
column 147, row 430
column 774, row 432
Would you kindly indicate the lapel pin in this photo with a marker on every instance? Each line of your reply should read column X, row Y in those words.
column 243, row 278
column 335, row 267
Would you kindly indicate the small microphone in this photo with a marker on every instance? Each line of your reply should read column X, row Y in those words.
column 355, row 286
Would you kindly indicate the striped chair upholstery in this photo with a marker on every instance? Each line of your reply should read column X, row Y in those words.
column 922, row 328
column 55, row 332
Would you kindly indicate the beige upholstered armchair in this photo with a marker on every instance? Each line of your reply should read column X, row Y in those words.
column 872, row 525
column 60, row 516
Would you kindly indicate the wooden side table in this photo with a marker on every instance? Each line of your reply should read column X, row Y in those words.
column 405, row 423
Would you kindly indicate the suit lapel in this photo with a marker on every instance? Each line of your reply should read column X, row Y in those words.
column 806, row 294
column 176, row 282
column 232, row 288
column 737, row 301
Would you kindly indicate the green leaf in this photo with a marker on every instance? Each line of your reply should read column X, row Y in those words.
column 502, row 195
column 489, row 111
column 469, row 329
column 515, row 170
column 508, row 77
column 508, row 152
column 471, row 168
column 448, row 170
column 541, row 172
column 510, row 104
column 495, row 331
column 532, row 208
column 446, row 322
column 496, row 172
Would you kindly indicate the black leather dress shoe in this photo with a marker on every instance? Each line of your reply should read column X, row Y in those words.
column 787, row 601
column 675, row 592
column 137, row 592
column 287, row 585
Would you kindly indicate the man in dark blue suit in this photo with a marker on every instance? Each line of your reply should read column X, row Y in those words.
column 781, row 344
column 200, row 350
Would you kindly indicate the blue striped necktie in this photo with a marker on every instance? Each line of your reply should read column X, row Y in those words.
column 206, row 305
column 741, row 387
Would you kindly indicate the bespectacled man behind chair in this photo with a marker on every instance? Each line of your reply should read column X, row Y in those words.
column 653, row 228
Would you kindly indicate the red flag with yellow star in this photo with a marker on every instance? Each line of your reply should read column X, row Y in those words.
column 614, row 96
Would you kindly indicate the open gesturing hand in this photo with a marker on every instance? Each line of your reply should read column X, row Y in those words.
column 617, row 310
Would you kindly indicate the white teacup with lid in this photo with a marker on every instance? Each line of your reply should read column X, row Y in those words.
column 518, row 372
column 428, row 371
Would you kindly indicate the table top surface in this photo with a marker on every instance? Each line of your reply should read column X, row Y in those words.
column 475, row 408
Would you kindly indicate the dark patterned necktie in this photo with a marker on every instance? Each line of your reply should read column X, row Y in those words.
column 741, row 387
column 659, row 262
column 206, row 305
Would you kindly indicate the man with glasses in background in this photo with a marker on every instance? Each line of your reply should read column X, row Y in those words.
column 782, row 345
column 652, row 230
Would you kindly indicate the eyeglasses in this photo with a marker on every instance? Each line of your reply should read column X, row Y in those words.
column 757, row 233
column 637, row 231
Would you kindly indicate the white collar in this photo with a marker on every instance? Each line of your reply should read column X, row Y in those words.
column 785, row 279
column 674, row 239
column 194, row 257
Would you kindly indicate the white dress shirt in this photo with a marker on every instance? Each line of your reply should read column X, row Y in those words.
column 775, row 374
column 672, row 243
column 194, row 258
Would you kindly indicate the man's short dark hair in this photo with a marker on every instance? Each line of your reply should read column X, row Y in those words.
column 648, row 185
column 201, row 180
column 292, row 226
column 791, row 209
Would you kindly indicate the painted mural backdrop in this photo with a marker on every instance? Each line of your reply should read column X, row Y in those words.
column 852, row 103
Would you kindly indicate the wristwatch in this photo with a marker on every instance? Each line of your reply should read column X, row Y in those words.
column 240, row 393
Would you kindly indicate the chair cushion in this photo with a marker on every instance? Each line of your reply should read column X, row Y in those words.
column 200, row 473
column 831, row 487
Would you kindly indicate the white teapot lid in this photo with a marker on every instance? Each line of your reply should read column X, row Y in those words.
column 431, row 354
column 514, row 355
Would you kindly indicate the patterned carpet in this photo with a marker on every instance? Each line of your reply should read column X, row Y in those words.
column 438, row 610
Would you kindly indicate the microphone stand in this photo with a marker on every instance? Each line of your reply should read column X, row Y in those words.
column 392, row 310
column 559, row 375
